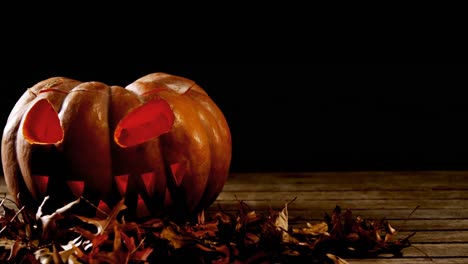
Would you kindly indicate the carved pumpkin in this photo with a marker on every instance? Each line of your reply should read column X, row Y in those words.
column 161, row 143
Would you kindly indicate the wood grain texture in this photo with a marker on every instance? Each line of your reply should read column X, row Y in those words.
column 441, row 198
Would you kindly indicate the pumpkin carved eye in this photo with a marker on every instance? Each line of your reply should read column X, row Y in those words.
column 144, row 123
column 42, row 124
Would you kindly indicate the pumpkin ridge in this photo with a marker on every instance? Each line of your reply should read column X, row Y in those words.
column 186, row 142
column 53, row 90
column 141, row 159
column 31, row 91
column 86, row 146
column 86, row 91
column 23, row 150
column 214, row 133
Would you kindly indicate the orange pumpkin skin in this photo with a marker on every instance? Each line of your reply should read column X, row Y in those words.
column 161, row 143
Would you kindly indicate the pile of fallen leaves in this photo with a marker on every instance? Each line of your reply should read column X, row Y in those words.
column 242, row 237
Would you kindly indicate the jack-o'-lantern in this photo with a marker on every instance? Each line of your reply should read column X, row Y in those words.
column 161, row 143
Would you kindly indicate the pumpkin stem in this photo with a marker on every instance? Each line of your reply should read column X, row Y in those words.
column 42, row 125
column 144, row 123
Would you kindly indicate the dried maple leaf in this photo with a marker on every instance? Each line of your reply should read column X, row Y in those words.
column 313, row 229
column 172, row 234
column 102, row 225
column 206, row 230
column 281, row 220
column 15, row 249
column 141, row 255
column 49, row 222
column 8, row 213
column 245, row 237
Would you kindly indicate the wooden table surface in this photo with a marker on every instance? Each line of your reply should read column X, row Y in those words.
column 440, row 222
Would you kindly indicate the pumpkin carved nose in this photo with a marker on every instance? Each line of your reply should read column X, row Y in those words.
column 41, row 125
column 144, row 123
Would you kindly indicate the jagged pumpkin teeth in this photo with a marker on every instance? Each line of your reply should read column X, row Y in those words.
column 178, row 172
column 142, row 209
column 149, row 180
column 104, row 207
column 122, row 182
column 76, row 187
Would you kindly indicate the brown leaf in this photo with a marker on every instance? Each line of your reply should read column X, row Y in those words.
column 49, row 222
column 390, row 232
column 281, row 220
column 337, row 225
column 224, row 250
column 15, row 249
column 80, row 254
column 242, row 238
column 142, row 254
column 117, row 255
column 204, row 230
column 251, row 239
column 224, row 217
column 7, row 212
column 102, row 225
column 104, row 258
column 201, row 217
column 56, row 255
column 97, row 241
column 316, row 229
column 336, row 259
column 128, row 241
column 153, row 223
column 174, row 237
column 251, row 217
column 84, row 232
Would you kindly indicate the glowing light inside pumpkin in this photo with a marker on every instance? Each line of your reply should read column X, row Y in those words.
column 178, row 172
column 76, row 187
column 104, row 207
column 41, row 182
column 149, row 179
column 142, row 209
column 42, row 125
column 122, row 182
column 144, row 123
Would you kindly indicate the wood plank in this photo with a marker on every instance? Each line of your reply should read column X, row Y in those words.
column 390, row 214
column 409, row 225
column 379, row 179
column 425, row 252
column 345, row 195
column 437, row 250
column 440, row 222
column 408, row 261
column 329, row 204
column 449, row 236
column 327, row 186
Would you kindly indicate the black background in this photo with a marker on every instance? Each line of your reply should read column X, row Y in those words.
column 309, row 117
